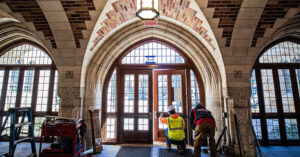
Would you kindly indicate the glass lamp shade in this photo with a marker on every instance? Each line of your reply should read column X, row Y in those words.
column 147, row 9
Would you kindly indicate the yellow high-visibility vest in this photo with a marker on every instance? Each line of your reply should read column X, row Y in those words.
column 176, row 128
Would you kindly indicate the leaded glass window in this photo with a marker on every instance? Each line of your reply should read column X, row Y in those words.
column 27, row 74
column 257, row 128
column 286, row 90
column 128, row 124
column 273, row 129
column 162, row 93
column 110, row 128
column 254, row 96
column 129, row 93
column 25, row 54
column 143, row 94
column 27, row 88
column 268, row 90
column 153, row 53
column 38, row 121
column 111, row 94
column 275, row 86
column 291, row 129
column 284, row 52
column 56, row 99
column 194, row 89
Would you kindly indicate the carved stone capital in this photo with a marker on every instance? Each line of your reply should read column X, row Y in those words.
column 68, row 92
column 66, row 102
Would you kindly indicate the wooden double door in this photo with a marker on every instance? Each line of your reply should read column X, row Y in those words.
column 145, row 94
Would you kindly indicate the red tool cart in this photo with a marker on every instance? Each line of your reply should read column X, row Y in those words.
column 63, row 129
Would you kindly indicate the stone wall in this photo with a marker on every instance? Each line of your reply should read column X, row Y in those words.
column 64, row 29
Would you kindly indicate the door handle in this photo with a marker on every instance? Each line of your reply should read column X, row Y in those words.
column 155, row 113
column 150, row 115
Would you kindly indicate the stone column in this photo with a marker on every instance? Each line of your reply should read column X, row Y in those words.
column 70, row 102
column 215, row 106
column 237, row 103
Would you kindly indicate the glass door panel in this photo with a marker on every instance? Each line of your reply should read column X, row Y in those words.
column 143, row 103
column 129, row 93
column 162, row 93
column 136, row 116
column 169, row 89
column 177, row 93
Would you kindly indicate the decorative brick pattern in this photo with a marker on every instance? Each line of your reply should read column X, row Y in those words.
column 273, row 10
column 77, row 12
column 179, row 10
column 124, row 10
column 32, row 12
column 227, row 11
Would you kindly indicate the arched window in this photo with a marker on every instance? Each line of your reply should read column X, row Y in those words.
column 28, row 78
column 147, row 78
column 275, row 101
column 153, row 53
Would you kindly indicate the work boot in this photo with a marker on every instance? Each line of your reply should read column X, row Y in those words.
column 168, row 146
column 180, row 150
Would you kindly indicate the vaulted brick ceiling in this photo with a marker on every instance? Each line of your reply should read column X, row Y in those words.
column 77, row 12
column 227, row 12
column 32, row 12
column 273, row 10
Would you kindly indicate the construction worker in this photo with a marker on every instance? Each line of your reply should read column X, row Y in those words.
column 175, row 132
column 204, row 125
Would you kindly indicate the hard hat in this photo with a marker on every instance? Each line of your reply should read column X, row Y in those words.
column 171, row 108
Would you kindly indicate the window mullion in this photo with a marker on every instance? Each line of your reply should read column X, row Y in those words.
column 136, row 99
column 280, row 114
column 296, row 96
column 261, row 106
column 4, row 89
column 20, row 87
column 119, row 109
column 35, row 90
column 50, row 93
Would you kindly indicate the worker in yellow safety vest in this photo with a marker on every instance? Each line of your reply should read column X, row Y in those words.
column 175, row 132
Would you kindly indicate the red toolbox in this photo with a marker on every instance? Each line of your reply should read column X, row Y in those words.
column 62, row 129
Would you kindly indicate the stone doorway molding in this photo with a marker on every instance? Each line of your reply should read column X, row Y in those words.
column 94, row 73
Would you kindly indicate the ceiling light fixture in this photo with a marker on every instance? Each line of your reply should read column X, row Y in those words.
column 147, row 9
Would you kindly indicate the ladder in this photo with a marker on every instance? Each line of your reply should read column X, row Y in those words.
column 15, row 129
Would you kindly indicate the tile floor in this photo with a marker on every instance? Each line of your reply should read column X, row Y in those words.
column 112, row 150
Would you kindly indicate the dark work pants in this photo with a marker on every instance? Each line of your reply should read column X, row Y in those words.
column 201, row 132
column 169, row 141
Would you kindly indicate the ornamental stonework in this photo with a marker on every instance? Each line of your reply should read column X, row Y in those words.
column 68, row 92
column 66, row 102
column 180, row 10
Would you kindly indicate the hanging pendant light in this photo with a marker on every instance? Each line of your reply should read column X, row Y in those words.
column 147, row 9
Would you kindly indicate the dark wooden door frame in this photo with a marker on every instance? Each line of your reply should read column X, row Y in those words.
column 137, row 134
column 184, row 113
column 119, row 66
